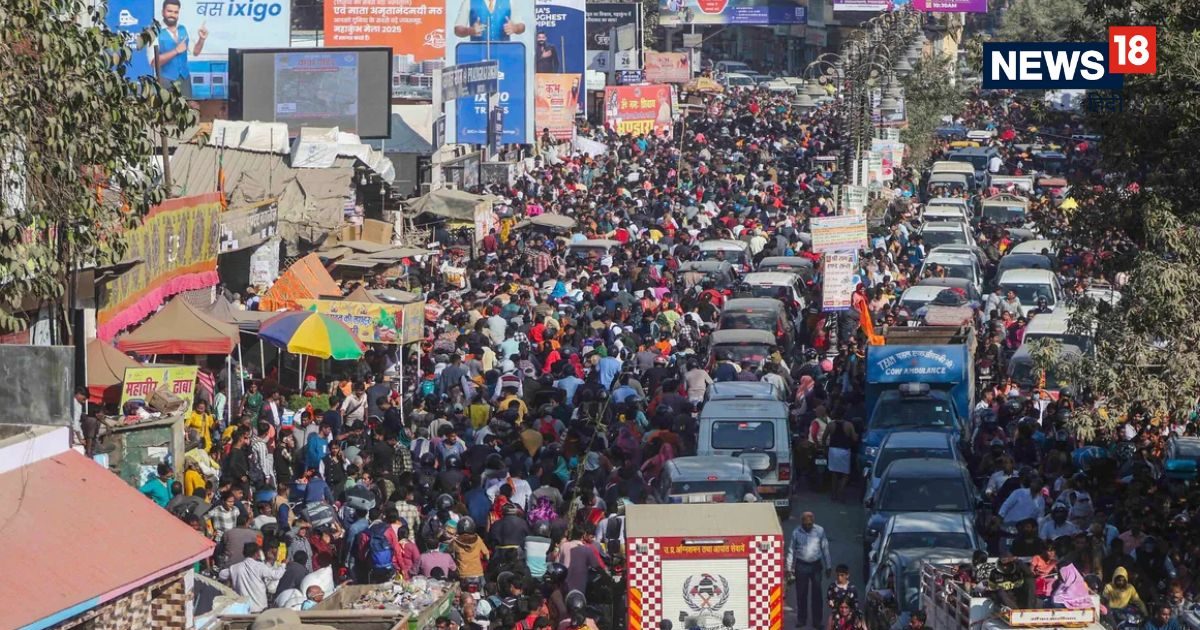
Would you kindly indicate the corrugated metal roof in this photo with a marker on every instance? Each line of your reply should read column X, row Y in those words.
column 702, row 519
column 74, row 532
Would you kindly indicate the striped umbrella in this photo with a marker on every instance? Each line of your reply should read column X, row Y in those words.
column 312, row 334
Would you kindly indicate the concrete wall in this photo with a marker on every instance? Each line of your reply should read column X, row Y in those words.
column 36, row 384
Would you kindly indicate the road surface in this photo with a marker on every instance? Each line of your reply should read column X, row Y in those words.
column 844, row 524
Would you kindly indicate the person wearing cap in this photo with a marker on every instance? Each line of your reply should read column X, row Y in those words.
column 1057, row 525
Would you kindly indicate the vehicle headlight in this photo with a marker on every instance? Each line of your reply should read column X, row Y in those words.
column 871, row 451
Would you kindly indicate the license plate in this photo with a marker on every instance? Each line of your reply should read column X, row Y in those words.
column 781, row 502
column 821, row 461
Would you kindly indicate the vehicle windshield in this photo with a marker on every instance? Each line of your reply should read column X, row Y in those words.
column 768, row 290
column 923, row 495
column 1004, row 213
column 1023, row 374
column 743, row 320
column 966, row 272
column 743, row 351
column 710, row 491
column 889, row 455
column 729, row 255
column 924, row 540
column 805, row 272
column 934, row 238
column 738, row 435
column 739, row 81
column 896, row 412
column 977, row 161
column 1028, row 294
column 1083, row 342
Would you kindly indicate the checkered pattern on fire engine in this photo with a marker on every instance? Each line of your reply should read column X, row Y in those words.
column 765, row 569
column 645, row 574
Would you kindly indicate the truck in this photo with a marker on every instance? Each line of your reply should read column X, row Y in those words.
column 950, row 606
column 922, row 377
column 704, row 565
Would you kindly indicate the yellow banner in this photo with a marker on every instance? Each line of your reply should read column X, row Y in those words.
column 141, row 383
column 373, row 322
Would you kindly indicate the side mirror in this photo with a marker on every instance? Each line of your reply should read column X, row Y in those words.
column 869, row 503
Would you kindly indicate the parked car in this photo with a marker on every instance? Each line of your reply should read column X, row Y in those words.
column 922, row 531
column 901, row 445
column 1030, row 285
column 765, row 314
column 768, row 284
column 706, row 480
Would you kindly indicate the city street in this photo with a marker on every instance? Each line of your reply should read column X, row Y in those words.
column 844, row 524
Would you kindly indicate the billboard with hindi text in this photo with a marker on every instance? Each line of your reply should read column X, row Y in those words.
column 725, row 12
column 560, row 40
column 667, row 67
column 557, row 101
column 141, row 383
column 416, row 28
column 638, row 109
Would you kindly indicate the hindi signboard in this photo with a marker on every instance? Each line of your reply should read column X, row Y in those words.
column 140, row 383
column 667, row 67
column 414, row 29
column 470, row 79
column 248, row 227
column 638, row 109
column 556, row 103
column 838, row 281
column 371, row 322
column 724, row 12
column 843, row 233
column 561, row 41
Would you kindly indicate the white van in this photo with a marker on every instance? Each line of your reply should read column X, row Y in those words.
column 755, row 430
column 957, row 265
column 1056, row 326
column 1031, row 284
column 945, row 212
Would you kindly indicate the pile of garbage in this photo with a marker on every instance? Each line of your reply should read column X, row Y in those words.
column 412, row 596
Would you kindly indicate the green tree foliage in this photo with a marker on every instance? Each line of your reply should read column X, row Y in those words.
column 1148, row 348
column 1039, row 20
column 71, row 124
column 928, row 95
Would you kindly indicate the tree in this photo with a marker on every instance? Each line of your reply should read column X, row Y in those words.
column 1039, row 20
column 1147, row 353
column 76, row 145
column 928, row 95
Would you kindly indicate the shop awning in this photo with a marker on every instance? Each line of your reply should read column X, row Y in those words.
column 105, row 371
column 180, row 328
column 307, row 279
column 451, row 204
column 247, row 321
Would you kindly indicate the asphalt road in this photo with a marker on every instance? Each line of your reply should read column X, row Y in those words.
column 844, row 524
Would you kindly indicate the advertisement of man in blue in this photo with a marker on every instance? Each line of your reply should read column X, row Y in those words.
column 500, row 30
column 174, row 44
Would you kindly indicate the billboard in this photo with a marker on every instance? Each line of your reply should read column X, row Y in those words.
column 373, row 322
column 212, row 28
column 638, row 109
column 951, row 6
column 873, row 6
column 602, row 18
column 132, row 17
column 667, row 67
column 840, row 233
column 557, row 102
column 706, row 12
column 500, row 30
column 412, row 28
column 560, row 39
column 347, row 88
column 839, row 282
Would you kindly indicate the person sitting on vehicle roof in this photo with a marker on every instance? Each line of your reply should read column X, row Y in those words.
column 1010, row 584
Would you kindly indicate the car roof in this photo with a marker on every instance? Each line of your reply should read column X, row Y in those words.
column 928, row 522
column 1026, row 276
column 1055, row 322
column 956, row 258
column 924, row 467
column 946, row 201
column 921, row 292
column 723, row 243
column 772, row 278
column 798, row 261
column 742, row 335
column 943, row 226
column 911, row 439
column 727, row 468
column 734, row 75
column 1034, row 246
column 745, row 304
column 956, row 283
column 733, row 390
column 705, row 265
column 595, row 242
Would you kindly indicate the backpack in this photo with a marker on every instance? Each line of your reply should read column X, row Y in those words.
column 428, row 387
column 183, row 509
column 374, row 546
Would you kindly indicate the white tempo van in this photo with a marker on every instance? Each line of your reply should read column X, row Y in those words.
column 754, row 428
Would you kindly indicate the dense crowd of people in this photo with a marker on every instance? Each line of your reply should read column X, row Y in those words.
column 553, row 388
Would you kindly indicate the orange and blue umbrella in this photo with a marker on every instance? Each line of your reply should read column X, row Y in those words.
column 312, row 334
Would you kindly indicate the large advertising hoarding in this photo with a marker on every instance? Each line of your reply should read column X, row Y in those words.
column 132, row 17
column 638, row 109
column 667, row 67
column 951, row 6
column 560, row 39
column 216, row 26
column 501, row 30
column 602, row 18
column 140, row 384
column 706, row 12
column 413, row 29
column 557, row 102
column 873, row 6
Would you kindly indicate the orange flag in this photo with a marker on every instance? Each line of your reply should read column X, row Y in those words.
column 868, row 326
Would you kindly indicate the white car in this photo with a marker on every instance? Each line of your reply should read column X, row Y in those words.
column 1031, row 285
column 922, row 530
column 946, row 233
column 957, row 265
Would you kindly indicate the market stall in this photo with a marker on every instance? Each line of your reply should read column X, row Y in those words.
column 105, row 370
column 180, row 328
column 307, row 278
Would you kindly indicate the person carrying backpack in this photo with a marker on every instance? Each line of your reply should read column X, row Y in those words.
column 379, row 548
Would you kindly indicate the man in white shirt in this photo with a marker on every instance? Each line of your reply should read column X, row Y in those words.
column 1023, row 503
column 251, row 577
column 1056, row 525
column 994, row 164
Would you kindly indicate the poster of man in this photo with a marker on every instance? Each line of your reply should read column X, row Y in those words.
column 547, row 56
column 172, row 48
column 487, row 21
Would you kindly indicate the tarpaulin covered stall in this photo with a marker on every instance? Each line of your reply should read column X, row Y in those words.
column 105, row 370
column 180, row 328
column 305, row 280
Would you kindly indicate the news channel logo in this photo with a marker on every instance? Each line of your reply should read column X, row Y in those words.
column 1071, row 65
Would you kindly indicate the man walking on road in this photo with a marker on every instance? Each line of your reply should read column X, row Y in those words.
column 807, row 555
